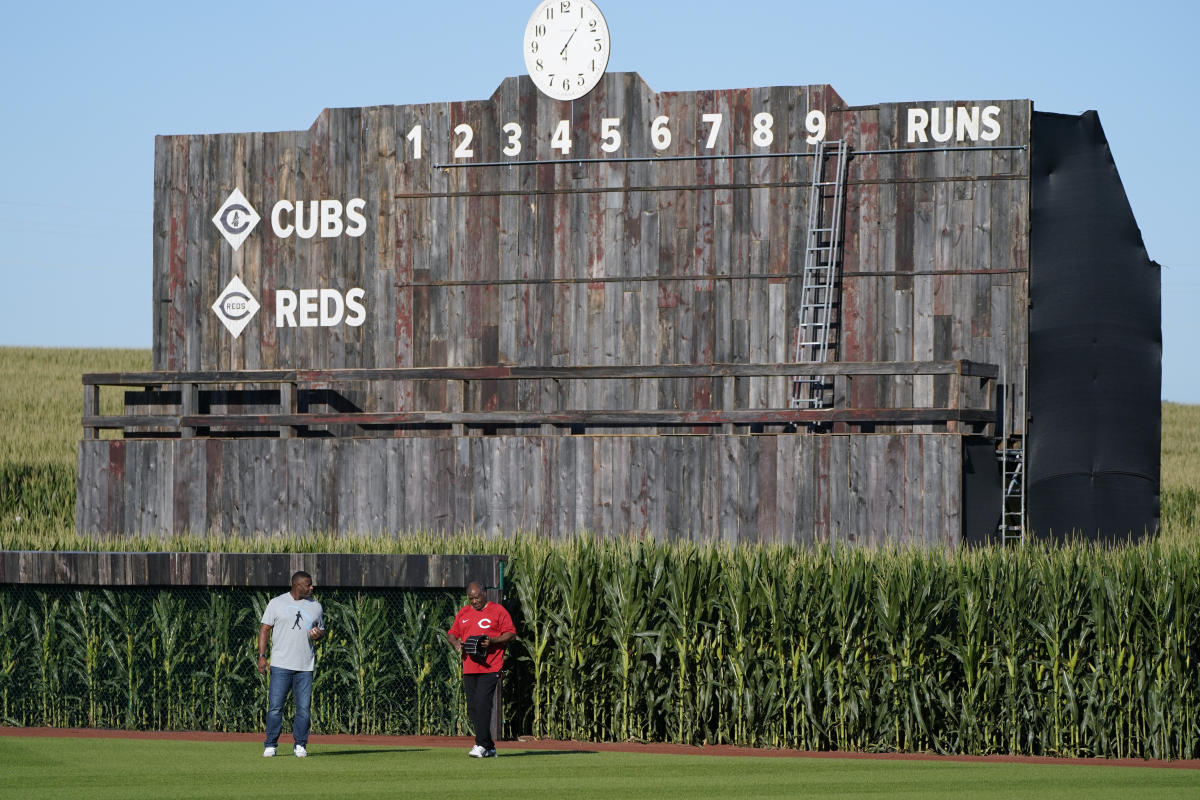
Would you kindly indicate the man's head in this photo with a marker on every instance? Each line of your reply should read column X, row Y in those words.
column 476, row 596
column 302, row 585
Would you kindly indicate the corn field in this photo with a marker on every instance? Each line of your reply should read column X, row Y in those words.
column 184, row 660
column 1074, row 651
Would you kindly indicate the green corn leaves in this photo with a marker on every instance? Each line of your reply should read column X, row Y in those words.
column 183, row 659
column 1076, row 650
column 1067, row 651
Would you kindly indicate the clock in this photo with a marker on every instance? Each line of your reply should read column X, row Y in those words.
column 566, row 47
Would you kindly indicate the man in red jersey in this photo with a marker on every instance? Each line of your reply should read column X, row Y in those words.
column 481, row 669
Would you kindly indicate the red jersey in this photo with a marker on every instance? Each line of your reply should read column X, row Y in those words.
column 491, row 621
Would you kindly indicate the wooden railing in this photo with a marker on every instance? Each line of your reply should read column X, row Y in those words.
column 186, row 418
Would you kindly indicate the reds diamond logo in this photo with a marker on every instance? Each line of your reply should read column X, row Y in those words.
column 235, row 307
column 236, row 219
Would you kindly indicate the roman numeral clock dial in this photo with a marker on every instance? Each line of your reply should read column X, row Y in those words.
column 566, row 47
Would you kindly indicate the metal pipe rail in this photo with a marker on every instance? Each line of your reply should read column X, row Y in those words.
column 188, row 421
column 715, row 157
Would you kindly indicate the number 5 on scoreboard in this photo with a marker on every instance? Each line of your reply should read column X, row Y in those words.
column 610, row 134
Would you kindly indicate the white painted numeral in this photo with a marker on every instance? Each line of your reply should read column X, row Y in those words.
column 514, row 138
column 763, row 135
column 814, row 123
column 414, row 136
column 714, row 121
column 610, row 134
column 561, row 140
column 660, row 134
column 464, row 147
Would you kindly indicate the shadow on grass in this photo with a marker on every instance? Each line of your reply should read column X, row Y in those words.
column 549, row 753
column 372, row 751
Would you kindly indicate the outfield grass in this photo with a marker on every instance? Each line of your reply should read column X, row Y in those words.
column 96, row 769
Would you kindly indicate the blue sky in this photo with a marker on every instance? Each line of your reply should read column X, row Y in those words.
column 87, row 86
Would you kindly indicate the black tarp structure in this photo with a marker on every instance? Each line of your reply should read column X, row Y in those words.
column 1095, row 343
column 982, row 490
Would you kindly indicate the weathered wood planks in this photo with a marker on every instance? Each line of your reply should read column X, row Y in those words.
column 271, row 570
column 770, row 488
column 574, row 260
column 511, row 234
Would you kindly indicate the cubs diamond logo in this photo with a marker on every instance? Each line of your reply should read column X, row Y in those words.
column 235, row 307
column 236, row 218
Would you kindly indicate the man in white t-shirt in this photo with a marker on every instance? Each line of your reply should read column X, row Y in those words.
column 294, row 622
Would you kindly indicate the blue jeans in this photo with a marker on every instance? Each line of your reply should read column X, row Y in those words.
column 300, row 684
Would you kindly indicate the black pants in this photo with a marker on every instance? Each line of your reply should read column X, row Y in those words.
column 481, row 694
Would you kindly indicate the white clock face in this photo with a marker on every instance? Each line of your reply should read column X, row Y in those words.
column 566, row 47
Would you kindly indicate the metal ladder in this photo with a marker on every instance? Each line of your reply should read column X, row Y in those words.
column 1011, row 453
column 822, row 249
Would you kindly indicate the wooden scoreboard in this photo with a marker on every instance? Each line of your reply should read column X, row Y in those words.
column 743, row 314
column 629, row 227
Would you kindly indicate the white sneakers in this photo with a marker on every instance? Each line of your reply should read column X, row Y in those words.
column 299, row 751
column 479, row 752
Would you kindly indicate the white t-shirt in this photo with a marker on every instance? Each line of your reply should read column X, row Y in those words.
column 291, row 620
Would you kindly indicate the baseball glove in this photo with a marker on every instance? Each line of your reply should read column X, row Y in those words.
column 475, row 646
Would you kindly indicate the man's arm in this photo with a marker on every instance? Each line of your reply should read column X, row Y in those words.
column 264, row 631
column 506, row 631
column 500, row 639
column 454, row 642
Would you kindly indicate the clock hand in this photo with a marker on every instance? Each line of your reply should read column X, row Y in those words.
column 563, row 52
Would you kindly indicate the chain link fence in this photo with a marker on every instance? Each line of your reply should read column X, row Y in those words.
column 184, row 659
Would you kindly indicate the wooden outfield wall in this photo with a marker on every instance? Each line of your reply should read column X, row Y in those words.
column 797, row 489
column 272, row 570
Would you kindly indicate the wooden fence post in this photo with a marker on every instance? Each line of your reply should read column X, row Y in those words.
column 191, row 405
column 728, row 395
column 288, row 400
column 91, row 406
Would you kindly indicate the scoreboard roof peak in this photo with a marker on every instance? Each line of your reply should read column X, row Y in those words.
column 626, row 95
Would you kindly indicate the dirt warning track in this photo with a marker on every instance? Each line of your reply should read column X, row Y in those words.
column 465, row 743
